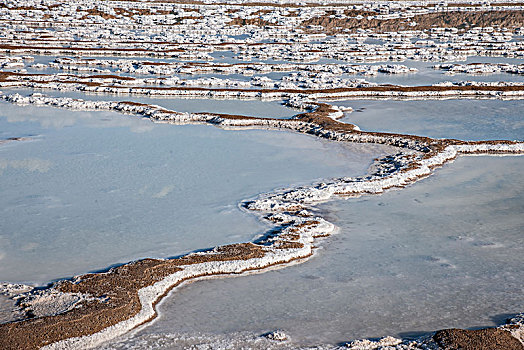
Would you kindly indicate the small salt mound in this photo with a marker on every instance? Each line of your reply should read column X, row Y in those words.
column 277, row 335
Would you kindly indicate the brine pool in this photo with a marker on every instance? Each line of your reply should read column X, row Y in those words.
column 92, row 189
column 453, row 118
column 442, row 253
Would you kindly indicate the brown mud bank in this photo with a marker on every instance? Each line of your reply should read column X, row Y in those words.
column 115, row 298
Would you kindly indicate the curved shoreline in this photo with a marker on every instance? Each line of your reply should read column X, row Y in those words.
column 124, row 297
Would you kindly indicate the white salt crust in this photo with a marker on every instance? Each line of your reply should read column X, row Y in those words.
column 393, row 171
column 197, row 30
column 118, row 86
column 436, row 44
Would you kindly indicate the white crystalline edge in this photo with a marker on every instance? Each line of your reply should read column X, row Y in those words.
column 13, row 289
column 133, row 66
column 269, row 203
column 42, row 302
column 516, row 327
column 480, row 68
column 51, row 301
column 277, row 201
column 307, row 77
column 486, row 147
column 276, row 95
column 150, row 294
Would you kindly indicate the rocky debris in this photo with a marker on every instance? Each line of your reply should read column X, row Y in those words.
column 277, row 335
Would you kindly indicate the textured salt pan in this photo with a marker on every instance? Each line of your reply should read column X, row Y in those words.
column 385, row 273
column 427, row 75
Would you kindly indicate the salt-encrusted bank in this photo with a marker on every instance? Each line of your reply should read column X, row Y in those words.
column 192, row 68
column 333, row 89
column 301, row 53
column 194, row 30
column 105, row 305
column 480, row 68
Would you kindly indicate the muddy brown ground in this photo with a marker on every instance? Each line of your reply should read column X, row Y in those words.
column 482, row 339
column 461, row 20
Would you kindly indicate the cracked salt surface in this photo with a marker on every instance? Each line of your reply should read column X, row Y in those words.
column 439, row 254
column 118, row 188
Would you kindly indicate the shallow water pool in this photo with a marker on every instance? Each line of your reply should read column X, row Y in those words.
column 92, row 189
column 442, row 253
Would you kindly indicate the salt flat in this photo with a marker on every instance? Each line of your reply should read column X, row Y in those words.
column 315, row 151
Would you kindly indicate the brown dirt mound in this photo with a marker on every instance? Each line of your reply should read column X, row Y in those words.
column 504, row 18
column 482, row 339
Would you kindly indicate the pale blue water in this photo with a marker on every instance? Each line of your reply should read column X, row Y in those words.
column 442, row 253
column 460, row 119
column 97, row 188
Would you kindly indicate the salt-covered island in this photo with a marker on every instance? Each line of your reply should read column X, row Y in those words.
column 146, row 145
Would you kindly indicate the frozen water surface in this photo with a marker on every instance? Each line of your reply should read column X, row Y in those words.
column 442, row 253
column 98, row 188
column 460, row 119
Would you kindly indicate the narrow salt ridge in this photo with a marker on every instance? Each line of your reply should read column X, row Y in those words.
column 290, row 209
column 173, row 68
column 480, row 68
column 501, row 90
